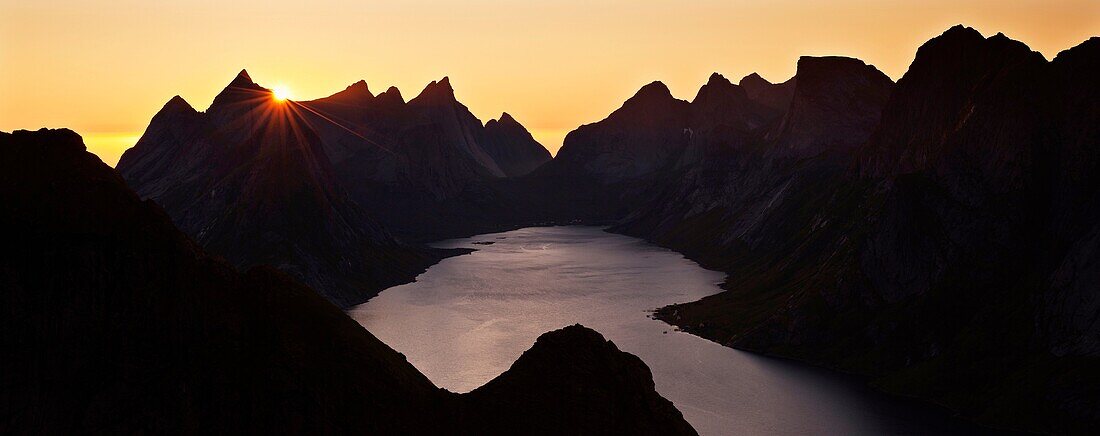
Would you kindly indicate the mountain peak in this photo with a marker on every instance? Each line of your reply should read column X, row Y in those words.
column 965, row 45
column 240, row 96
column 57, row 142
column 392, row 95
column 1089, row 48
column 177, row 104
column 717, row 81
column 961, row 31
column 843, row 93
column 655, row 91
column 505, row 119
column 719, row 85
column 242, row 80
column 944, row 80
column 437, row 91
column 775, row 96
column 823, row 78
column 753, row 79
column 360, row 86
column 818, row 64
column 652, row 100
column 958, row 37
column 655, row 87
column 356, row 93
column 443, row 85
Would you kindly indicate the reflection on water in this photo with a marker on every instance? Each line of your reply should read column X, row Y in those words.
column 465, row 320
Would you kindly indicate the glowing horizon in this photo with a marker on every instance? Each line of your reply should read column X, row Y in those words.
column 280, row 93
column 105, row 69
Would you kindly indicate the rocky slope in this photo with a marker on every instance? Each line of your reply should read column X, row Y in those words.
column 945, row 247
column 116, row 322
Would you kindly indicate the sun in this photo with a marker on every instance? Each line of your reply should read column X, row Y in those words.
column 280, row 93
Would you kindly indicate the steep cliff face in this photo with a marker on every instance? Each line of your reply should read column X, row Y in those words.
column 249, row 180
column 837, row 101
column 951, row 261
column 116, row 322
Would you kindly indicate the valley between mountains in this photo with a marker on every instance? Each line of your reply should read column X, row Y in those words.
column 938, row 237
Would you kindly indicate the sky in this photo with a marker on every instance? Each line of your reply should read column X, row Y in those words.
column 104, row 68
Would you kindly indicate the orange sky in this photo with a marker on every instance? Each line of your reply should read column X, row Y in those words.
column 103, row 68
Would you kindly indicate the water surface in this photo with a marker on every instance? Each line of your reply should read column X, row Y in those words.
column 466, row 319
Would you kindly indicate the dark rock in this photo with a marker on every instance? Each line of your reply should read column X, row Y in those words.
column 429, row 161
column 951, row 263
column 775, row 96
column 512, row 146
column 115, row 322
column 837, row 101
column 573, row 381
column 250, row 181
column 641, row 137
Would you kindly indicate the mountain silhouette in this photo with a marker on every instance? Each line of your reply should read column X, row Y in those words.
column 430, row 162
column 249, row 180
column 116, row 322
column 774, row 96
column 937, row 235
column 512, row 146
column 748, row 187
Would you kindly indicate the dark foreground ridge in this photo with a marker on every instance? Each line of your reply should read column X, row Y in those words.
column 115, row 322
column 573, row 381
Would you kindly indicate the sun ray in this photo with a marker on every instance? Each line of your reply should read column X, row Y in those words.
column 337, row 124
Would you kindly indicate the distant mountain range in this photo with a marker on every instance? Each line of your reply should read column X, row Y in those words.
column 299, row 185
column 938, row 235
